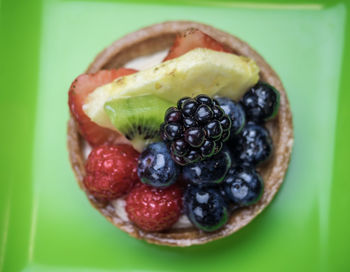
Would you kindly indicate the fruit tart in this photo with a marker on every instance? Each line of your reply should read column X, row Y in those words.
column 179, row 134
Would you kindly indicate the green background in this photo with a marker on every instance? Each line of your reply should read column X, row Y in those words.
column 46, row 223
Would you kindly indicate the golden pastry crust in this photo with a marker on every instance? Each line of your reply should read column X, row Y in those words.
column 159, row 37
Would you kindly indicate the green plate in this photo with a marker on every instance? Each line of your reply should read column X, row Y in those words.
column 46, row 222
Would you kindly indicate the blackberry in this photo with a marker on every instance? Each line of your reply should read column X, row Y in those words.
column 196, row 129
column 192, row 156
column 213, row 129
column 189, row 122
column 194, row 136
column 173, row 131
column 179, row 147
column 180, row 102
column 203, row 114
column 207, row 148
column 172, row 115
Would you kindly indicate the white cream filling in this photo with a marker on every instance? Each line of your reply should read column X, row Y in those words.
column 140, row 63
column 182, row 223
column 145, row 62
column 119, row 209
column 86, row 149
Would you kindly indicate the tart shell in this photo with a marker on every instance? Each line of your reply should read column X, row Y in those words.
column 158, row 37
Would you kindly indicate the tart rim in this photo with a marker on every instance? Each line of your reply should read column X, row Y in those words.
column 155, row 38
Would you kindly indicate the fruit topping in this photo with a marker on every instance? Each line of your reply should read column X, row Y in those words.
column 154, row 209
column 205, row 207
column 200, row 71
column 261, row 102
column 209, row 171
column 194, row 136
column 173, row 131
column 155, row 166
column 203, row 114
column 111, row 171
column 80, row 88
column 179, row 147
column 192, row 156
column 173, row 115
column 236, row 113
column 191, row 39
column 189, row 122
column 207, row 149
column 138, row 118
column 252, row 146
column 243, row 186
column 214, row 130
column 189, row 107
column 210, row 146
column 199, row 133
column 181, row 101
column 218, row 112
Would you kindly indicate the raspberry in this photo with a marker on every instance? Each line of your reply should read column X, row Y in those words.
column 111, row 171
column 154, row 209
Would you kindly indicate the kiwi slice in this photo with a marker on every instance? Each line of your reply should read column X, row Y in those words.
column 138, row 118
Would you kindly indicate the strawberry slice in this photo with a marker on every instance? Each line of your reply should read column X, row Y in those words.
column 80, row 88
column 191, row 39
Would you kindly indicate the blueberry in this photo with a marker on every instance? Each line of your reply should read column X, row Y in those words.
column 212, row 170
column 236, row 113
column 261, row 102
column 204, row 99
column 223, row 194
column 253, row 122
column 243, row 186
column 155, row 166
column 189, row 107
column 172, row 115
column 203, row 114
column 205, row 208
column 194, row 136
column 252, row 146
column 227, row 150
column 173, row 131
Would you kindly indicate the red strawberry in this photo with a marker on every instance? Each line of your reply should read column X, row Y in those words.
column 80, row 88
column 154, row 209
column 191, row 39
column 111, row 171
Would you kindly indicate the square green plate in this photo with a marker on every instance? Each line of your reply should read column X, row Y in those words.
column 46, row 222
